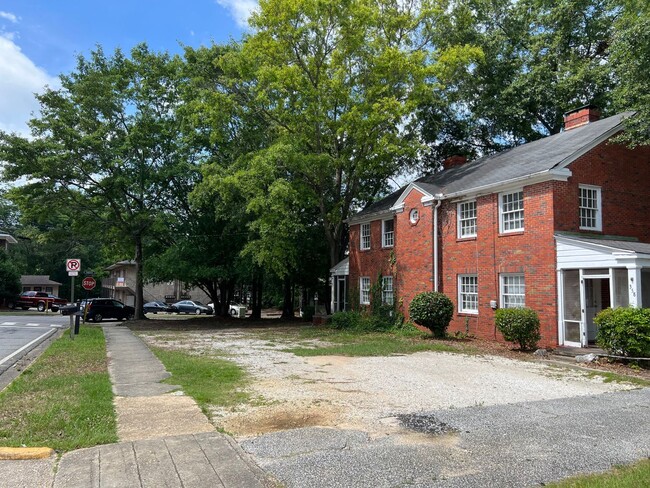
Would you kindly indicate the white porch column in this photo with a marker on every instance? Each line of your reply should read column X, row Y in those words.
column 333, row 280
column 634, row 286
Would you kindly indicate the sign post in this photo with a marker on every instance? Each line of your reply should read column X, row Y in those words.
column 72, row 266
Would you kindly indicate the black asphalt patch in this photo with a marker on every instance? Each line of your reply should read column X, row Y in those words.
column 425, row 424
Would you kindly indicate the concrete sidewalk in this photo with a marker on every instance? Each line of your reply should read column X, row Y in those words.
column 165, row 438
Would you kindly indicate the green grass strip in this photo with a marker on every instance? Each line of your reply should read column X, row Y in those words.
column 209, row 380
column 346, row 343
column 64, row 400
column 632, row 476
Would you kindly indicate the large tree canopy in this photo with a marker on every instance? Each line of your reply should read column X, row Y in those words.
column 107, row 144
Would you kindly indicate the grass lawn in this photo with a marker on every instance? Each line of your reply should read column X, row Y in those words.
column 209, row 380
column 64, row 400
column 633, row 476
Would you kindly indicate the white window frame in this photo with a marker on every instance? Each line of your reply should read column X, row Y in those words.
column 505, row 302
column 598, row 210
column 387, row 293
column 364, row 236
column 503, row 212
column 387, row 237
column 364, row 290
column 461, row 219
column 467, row 293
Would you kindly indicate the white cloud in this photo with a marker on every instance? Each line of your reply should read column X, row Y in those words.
column 240, row 10
column 9, row 16
column 20, row 78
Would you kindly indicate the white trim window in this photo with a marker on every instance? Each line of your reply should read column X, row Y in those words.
column 511, row 212
column 365, row 237
column 364, row 290
column 466, row 219
column 590, row 205
column 513, row 291
column 388, row 233
column 387, row 296
column 468, row 293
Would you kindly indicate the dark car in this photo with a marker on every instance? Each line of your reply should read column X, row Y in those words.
column 190, row 306
column 98, row 309
column 155, row 307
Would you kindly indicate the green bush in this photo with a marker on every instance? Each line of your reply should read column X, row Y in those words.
column 308, row 313
column 624, row 331
column 520, row 325
column 361, row 322
column 432, row 310
column 345, row 320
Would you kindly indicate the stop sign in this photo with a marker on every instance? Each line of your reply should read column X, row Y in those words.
column 88, row 283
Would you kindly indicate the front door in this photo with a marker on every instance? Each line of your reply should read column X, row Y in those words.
column 596, row 299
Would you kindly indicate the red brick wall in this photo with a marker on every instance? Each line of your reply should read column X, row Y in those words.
column 372, row 262
column 413, row 251
column 531, row 252
column 624, row 177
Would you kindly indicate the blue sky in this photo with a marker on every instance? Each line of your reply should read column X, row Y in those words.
column 40, row 39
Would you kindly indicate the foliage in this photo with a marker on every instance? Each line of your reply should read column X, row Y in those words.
column 630, row 60
column 630, row 476
column 520, row 325
column 107, row 146
column 540, row 58
column 624, row 331
column 9, row 277
column 362, row 321
column 432, row 310
column 64, row 400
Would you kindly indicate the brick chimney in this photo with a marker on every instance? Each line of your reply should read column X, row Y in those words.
column 581, row 116
column 452, row 161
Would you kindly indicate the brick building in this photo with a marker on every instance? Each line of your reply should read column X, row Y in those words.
column 559, row 225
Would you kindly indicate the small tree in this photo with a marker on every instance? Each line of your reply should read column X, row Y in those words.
column 624, row 331
column 520, row 325
column 9, row 278
column 432, row 310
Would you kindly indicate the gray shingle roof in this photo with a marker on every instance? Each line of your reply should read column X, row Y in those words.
column 37, row 280
column 529, row 159
column 612, row 243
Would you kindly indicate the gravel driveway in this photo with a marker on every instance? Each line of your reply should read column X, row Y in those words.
column 411, row 420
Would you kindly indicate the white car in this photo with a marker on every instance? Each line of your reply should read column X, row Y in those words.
column 234, row 309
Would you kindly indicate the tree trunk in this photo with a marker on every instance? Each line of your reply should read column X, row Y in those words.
column 223, row 299
column 287, row 306
column 139, row 279
column 256, row 295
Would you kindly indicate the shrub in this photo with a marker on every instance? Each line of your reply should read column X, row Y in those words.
column 432, row 310
column 520, row 325
column 308, row 313
column 624, row 331
column 345, row 320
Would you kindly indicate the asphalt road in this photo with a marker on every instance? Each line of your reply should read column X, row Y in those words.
column 21, row 333
column 522, row 444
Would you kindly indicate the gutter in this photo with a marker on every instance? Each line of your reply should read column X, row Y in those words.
column 435, row 241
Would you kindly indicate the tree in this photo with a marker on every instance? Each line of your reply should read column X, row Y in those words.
column 630, row 59
column 541, row 58
column 337, row 82
column 9, row 277
column 107, row 145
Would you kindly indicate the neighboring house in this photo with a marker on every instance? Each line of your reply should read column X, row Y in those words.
column 120, row 285
column 39, row 283
column 559, row 225
column 5, row 240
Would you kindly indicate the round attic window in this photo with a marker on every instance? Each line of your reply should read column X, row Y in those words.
column 414, row 216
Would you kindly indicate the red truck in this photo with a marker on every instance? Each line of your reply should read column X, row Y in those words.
column 38, row 299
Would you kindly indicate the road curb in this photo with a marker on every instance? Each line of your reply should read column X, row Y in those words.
column 24, row 453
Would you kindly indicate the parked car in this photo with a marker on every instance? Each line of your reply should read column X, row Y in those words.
column 234, row 309
column 36, row 299
column 191, row 306
column 155, row 307
column 68, row 309
column 98, row 309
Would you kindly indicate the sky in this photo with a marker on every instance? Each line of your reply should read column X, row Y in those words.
column 40, row 39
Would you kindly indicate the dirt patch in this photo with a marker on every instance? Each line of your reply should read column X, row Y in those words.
column 368, row 393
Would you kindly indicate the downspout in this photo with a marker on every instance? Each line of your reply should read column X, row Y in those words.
column 435, row 243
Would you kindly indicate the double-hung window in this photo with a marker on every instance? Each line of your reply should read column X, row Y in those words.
column 466, row 212
column 468, row 293
column 364, row 286
column 387, row 296
column 511, row 212
column 365, row 236
column 590, row 208
column 513, row 291
column 388, row 233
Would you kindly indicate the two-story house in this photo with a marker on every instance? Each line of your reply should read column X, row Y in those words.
column 560, row 225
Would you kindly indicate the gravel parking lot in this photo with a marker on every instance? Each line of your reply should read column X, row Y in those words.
column 370, row 393
column 421, row 420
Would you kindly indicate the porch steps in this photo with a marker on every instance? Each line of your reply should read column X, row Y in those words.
column 572, row 352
